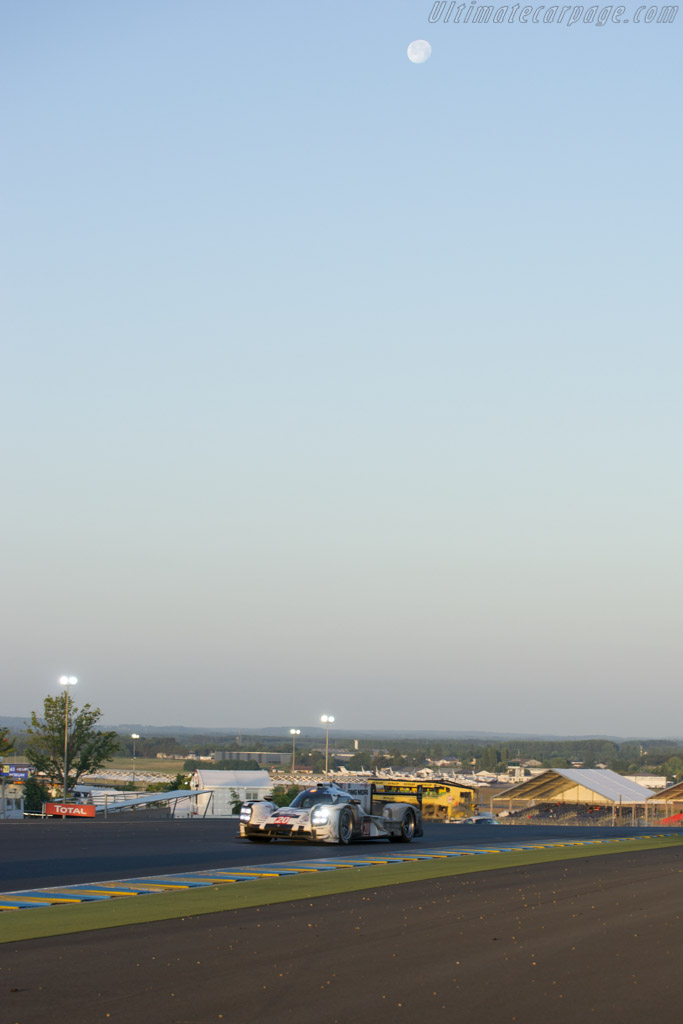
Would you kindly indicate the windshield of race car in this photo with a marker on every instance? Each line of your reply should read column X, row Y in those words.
column 313, row 797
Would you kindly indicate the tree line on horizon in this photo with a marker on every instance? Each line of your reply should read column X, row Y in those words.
column 90, row 748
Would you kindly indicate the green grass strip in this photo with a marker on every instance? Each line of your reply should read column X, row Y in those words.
column 19, row 925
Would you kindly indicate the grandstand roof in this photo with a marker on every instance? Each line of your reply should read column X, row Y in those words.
column 606, row 784
column 674, row 792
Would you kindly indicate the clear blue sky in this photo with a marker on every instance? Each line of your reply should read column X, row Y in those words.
column 335, row 383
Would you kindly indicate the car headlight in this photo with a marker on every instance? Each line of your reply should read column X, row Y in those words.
column 245, row 814
column 320, row 816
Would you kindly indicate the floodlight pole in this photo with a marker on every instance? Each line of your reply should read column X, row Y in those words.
column 294, row 734
column 327, row 719
column 66, row 681
column 134, row 736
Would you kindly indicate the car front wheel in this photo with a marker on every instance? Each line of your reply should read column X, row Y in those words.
column 345, row 827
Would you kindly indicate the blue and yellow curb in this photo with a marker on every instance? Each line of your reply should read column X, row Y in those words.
column 89, row 892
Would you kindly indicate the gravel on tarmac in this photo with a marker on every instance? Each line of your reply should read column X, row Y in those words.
column 597, row 939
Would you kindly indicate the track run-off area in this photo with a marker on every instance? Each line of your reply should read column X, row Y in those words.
column 545, row 933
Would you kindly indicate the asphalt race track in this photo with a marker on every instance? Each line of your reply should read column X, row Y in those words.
column 590, row 939
column 61, row 852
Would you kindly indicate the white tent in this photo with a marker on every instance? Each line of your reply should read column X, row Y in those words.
column 223, row 790
column 579, row 785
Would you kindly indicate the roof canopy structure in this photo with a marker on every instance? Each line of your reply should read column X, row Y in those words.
column 148, row 798
column 578, row 785
column 672, row 794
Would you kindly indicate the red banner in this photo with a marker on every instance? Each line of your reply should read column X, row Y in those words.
column 71, row 810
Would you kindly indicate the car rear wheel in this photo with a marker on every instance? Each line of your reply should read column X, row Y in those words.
column 408, row 827
column 345, row 827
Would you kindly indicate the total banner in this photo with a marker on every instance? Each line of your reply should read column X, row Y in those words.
column 71, row 810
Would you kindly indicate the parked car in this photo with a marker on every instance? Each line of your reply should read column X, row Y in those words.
column 476, row 819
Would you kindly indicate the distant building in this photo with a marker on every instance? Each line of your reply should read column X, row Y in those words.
column 266, row 757
column 12, row 801
column 649, row 781
column 100, row 796
column 518, row 772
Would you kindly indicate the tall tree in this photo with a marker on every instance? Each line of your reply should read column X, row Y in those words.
column 6, row 744
column 35, row 795
column 88, row 748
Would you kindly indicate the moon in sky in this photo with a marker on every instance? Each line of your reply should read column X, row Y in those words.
column 419, row 51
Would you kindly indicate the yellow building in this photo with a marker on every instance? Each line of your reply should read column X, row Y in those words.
column 441, row 800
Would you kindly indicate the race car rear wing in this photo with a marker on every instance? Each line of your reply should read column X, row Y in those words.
column 372, row 796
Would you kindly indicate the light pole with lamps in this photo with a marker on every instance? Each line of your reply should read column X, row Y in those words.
column 66, row 682
column 294, row 733
column 328, row 720
column 134, row 736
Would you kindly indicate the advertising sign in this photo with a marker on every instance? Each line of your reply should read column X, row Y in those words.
column 10, row 771
column 71, row 810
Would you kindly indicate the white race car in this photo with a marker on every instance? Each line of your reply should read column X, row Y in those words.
column 330, row 813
